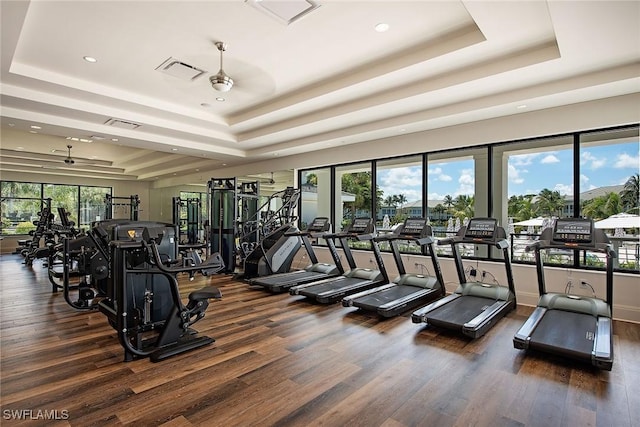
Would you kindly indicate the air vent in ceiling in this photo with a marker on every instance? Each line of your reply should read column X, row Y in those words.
column 286, row 12
column 176, row 68
column 122, row 124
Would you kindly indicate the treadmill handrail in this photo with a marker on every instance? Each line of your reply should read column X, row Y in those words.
column 426, row 240
column 456, row 240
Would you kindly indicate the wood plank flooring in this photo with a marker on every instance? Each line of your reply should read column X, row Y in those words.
column 279, row 360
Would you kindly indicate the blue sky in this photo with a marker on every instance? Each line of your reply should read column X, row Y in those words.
column 600, row 166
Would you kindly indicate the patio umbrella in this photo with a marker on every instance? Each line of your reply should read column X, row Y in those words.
column 621, row 220
column 532, row 222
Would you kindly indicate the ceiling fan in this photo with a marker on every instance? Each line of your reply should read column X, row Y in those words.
column 69, row 160
column 221, row 81
column 80, row 161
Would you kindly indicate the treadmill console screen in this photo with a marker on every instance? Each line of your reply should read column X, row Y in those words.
column 361, row 226
column 319, row 224
column 414, row 227
column 481, row 228
column 573, row 230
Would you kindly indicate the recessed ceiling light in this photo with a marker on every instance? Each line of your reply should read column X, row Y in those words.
column 32, row 131
column 19, row 148
column 174, row 149
column 220, row 99
column 12, row 124
column 224, row 164
column 521, row 107
column 90, row 59
column 35, row 127
column 114, row 139
column 381, row 27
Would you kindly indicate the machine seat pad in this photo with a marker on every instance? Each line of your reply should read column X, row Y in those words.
column 205, row 293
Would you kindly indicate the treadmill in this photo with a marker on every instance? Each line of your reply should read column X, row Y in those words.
column 354, row 280
column 475, row 306
column 281, row 282
column 409, row 290
column 574, row 326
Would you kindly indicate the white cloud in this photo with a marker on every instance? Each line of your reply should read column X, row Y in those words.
column 514, row 174
column 444, row 177
column 626, row 161
column 549, row 158
column 436, row 196
column 564, row 189
column 522, row 159
column 404, row 180
column 467, row 182
column 591, row 161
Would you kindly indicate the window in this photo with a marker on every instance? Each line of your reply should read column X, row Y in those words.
column 92, row 207
column 399, row 187
column 533, row 185
column 451, row 189
column 353, row 193
column 63, row 196
column 609, row 163
column 22, row 203
column 315, row 186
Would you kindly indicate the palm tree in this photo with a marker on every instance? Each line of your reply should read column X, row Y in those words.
column 448, row 201
column 630, row 195
column 602, row 207
column 390, row 201
column 401, row 199
column 463, row 206
column 521, row 207
column 549, row 202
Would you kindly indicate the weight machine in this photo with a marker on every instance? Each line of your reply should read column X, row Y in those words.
column 132, row 203
column 187, row 215
column 239, row 223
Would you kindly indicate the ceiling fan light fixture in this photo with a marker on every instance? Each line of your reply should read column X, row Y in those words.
column 221, row 81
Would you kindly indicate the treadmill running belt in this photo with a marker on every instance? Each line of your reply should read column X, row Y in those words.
column 566, row 332
column 456, row 313
column 292, row 277
column 373, row 301
column 332, row 285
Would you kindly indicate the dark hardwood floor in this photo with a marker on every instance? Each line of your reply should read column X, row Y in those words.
column 279, row 360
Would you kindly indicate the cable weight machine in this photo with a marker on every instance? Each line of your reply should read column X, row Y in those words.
column 187, row 215
column 130, row 203
column 241, row 225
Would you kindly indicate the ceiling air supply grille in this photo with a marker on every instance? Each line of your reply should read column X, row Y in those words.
column 122, row 124
column 286, row 12
column 176, row 68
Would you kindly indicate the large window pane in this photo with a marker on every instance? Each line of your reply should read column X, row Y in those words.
column 399, row 186
column 451, row 189
column 20, row 206
column 63, row 196
column 536, row 187
column 353, row 193
column 92, row 205
column 609, row 164
column 315, row 187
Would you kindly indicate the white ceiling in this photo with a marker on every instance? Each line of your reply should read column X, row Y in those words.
column 326, row 79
